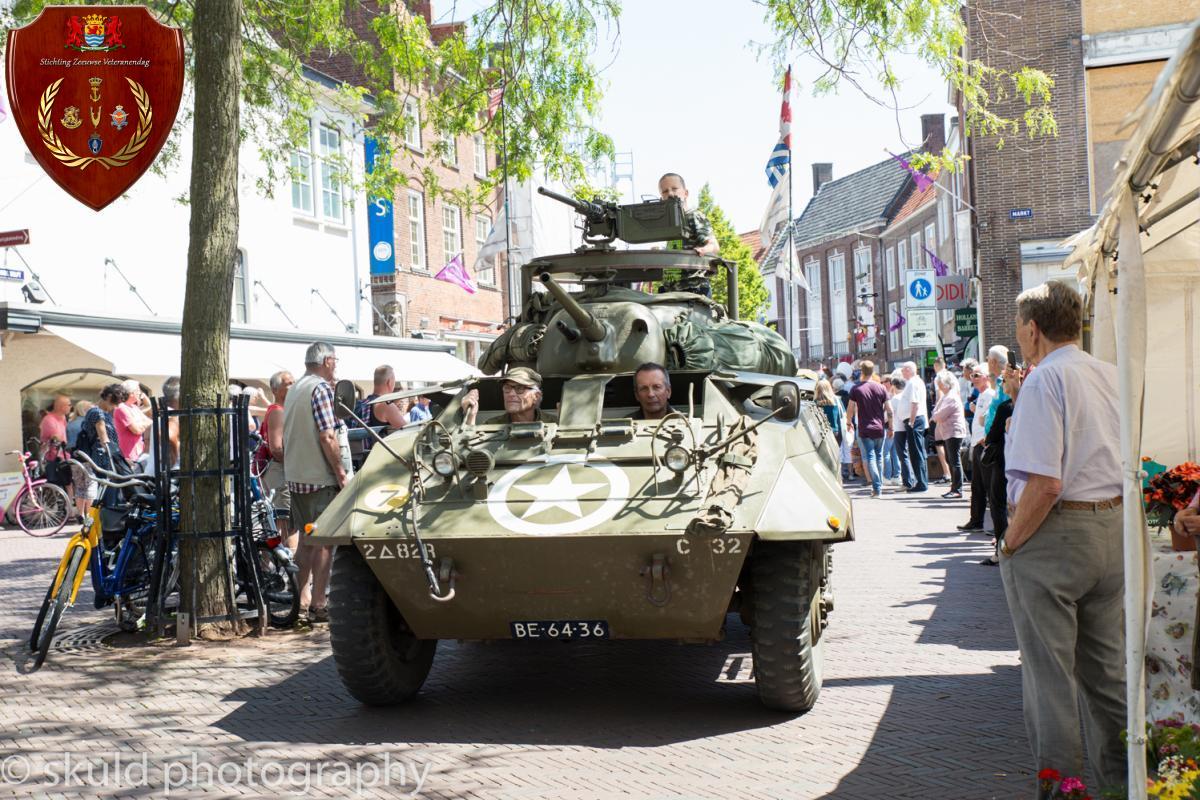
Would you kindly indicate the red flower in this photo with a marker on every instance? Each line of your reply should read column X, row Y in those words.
column 1049, row 775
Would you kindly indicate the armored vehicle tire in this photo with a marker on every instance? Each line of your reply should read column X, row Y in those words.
column 378, row 658
column 788, row 649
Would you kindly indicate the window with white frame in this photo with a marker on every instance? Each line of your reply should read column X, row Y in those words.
column 241, row 290
column 451, row 231
column 930, row 242
column 412, row 123
column 915, row 241
column 302, row 182
column 816, row 319
column 901, row 258
column 864, row 283
column 449, row 149
column 889, row 259
column 416, row 230
column 330, row 151
column 839, row 322
column 487, row 268
column 893, row 335
column 480, row 155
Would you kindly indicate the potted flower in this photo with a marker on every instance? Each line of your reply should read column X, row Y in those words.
column 1168, row 493
column 1056, row 787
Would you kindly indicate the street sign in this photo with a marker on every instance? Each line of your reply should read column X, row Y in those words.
column 953, row 291
column 381, row 231
column 966, row 322
column 920, row 331
column 930, row 357
column 919, row 288
column 1020, row 213
column 14, row 238
column 12, row 274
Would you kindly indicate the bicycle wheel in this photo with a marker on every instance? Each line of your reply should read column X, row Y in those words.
column 279, row 591
column 44, row 636
column 43, row 510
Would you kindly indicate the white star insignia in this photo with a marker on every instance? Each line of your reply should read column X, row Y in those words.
column 558, row 493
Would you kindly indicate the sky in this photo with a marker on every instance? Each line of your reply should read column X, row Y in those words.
column 688, row 93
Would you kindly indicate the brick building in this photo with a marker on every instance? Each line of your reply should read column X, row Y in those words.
column 428, row 228
column 1030, row 195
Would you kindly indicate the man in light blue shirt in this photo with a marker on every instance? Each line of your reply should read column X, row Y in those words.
column 420, row 410
column 1062, row 557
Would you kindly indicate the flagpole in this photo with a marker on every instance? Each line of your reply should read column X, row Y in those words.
column 793, row 317
column 513, row 290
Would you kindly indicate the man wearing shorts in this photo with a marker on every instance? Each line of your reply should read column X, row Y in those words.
column 270, row 458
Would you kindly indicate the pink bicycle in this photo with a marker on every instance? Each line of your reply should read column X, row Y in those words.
column 39, row 507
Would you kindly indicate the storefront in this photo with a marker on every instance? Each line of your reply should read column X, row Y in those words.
column 44, row 352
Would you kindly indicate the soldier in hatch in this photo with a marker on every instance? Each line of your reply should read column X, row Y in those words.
column 697, row 237
column 652, row 387
column 522, row 392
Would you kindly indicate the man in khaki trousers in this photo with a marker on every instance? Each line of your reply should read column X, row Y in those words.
column 1061, row 559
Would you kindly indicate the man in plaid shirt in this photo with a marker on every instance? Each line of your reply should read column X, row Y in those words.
column 313, row 468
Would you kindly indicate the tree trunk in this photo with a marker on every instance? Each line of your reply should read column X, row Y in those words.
column 212, row 252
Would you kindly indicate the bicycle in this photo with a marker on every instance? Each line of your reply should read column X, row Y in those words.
column 276, row 563
column 120, row 574
column 39, row 507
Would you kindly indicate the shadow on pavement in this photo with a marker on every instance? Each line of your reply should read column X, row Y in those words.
column 611, row 695
column 945, row 736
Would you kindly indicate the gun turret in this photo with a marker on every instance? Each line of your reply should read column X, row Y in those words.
column 595, row 212
column 653, row 221
column 592, row 329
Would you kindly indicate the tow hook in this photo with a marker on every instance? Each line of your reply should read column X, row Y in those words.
column 446, row 577
column 658, row 589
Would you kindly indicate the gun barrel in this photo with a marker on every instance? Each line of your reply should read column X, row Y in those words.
column 593, row 211
column 592, row 329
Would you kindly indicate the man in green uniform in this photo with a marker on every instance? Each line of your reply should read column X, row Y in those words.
column 522, row 392
column 697, row 236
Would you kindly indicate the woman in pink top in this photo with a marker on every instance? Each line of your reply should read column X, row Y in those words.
column 951, row 428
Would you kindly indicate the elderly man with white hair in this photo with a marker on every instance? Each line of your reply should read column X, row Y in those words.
column 131, row 423
column 914, row 412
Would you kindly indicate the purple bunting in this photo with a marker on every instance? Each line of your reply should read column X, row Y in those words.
column 456, row 272
column 898, row 324
column 922, row 180
column 939, row 267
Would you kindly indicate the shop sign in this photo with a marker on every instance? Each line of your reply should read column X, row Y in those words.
column 953, row 291
column 966, row 322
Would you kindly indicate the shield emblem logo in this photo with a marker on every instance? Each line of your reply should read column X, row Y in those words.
column 75, row 68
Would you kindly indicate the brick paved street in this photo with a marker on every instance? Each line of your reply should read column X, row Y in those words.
column 921, row 699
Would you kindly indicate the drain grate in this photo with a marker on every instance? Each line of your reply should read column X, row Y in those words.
column 87, row 637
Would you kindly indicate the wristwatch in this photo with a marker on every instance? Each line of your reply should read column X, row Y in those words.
column 1006, row 551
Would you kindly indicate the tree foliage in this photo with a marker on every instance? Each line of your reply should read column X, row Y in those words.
column 536, row 51
column 752, row 290
column 859, row 41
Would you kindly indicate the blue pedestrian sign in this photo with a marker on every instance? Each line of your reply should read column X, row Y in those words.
column 919, row 288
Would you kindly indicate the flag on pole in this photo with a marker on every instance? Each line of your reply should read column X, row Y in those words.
column 456, row 272
column 494, row 243
column 494, row 98
column 777, row 168
column 922, row 180
column 939, row 267
column 898, row 324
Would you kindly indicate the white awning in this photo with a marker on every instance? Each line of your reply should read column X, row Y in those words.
column 153, row 354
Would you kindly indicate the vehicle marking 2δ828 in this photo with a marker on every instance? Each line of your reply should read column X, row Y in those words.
column 385, row 551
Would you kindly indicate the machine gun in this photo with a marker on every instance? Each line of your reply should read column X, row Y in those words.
column 652, row 221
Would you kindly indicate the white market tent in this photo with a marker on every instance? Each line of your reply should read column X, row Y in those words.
column 1139, row 268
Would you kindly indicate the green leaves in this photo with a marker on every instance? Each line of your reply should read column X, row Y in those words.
column 752, row 290
column 857, row 42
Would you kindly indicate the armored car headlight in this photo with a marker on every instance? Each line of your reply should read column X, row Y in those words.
column 677, row 458
column 443, row 463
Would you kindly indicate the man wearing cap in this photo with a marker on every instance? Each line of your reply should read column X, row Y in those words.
column 522, row 391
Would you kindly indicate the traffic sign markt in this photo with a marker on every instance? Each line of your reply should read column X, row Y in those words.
column 920, row 331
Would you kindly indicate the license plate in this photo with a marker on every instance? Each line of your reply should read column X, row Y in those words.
column 559, row 629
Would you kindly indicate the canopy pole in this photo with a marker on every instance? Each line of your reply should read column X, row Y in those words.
column 1131, row 364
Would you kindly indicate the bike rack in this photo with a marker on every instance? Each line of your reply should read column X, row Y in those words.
column 239, row 566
